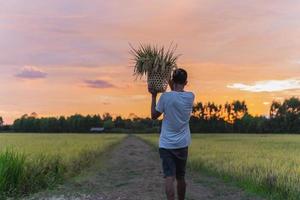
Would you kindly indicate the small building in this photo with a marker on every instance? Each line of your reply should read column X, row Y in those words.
column 97, row 129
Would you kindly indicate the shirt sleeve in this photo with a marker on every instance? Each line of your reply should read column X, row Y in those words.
column 160, row 104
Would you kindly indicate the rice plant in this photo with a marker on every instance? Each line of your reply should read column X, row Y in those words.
column 12, row 170
column 148, row 58
column 266, row 164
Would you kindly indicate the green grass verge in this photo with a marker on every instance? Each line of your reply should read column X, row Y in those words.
column 22, row 174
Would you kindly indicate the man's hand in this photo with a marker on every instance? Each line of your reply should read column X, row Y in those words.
column 152, row 91
column 154, row 113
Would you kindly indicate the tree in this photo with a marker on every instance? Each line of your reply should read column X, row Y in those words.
column 285, row 117
column 106, row 116
column 1, row 122
column 119, row 122
column 198, row 110
column 213, row 111
column 62, row 124
column 291, row 114
column 97, row 121
column 274, row 109
column 228, row 112
column 239, row 109
column 108, row 124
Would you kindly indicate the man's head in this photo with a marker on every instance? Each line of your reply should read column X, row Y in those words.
column 179, row 76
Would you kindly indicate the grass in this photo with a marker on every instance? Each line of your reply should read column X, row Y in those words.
column 265, row 164
column 11, row 171
column 30, row 162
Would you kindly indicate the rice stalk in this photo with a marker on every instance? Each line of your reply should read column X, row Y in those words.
column 148, row 59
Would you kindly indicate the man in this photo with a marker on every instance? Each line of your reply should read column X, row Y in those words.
column 175, row 136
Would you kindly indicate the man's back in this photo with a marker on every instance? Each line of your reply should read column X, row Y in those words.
column 177, row 108
column 175, row 134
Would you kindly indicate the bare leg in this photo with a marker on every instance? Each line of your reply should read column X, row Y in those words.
column 170, row 190
column 181, row 185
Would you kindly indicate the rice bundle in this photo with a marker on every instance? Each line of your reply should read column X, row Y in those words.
column 155, row 63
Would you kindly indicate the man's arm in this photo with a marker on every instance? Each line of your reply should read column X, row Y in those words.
column 154, row 113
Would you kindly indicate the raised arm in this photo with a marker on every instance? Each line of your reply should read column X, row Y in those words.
column 154, row 113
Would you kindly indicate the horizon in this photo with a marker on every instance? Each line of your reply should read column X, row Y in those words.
column 64, row 57
column 114, row 116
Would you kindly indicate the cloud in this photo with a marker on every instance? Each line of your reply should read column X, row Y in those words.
column 98, row 84
column 268, row 85
column 31, row 72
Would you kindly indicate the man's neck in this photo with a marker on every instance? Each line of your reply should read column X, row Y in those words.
column 178, row 88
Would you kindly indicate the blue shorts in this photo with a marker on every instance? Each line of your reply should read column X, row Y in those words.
column 174, row 162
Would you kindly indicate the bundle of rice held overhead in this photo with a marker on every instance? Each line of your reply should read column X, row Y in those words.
column 156, row 64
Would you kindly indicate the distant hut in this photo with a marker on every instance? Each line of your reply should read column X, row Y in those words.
column 97, row 129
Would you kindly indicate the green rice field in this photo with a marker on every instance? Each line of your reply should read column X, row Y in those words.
column 68, row 146
column 266, row 164
column 29, row 162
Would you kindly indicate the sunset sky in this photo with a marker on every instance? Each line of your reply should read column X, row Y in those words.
column 60, row 57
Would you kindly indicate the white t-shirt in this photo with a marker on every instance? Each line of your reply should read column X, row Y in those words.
column 177, row 108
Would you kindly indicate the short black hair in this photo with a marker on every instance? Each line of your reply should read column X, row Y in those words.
column 179, row 76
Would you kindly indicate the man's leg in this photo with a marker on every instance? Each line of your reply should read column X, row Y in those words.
column 181, row 187
column 170, row 189
column 181, row 155
column 169, row 169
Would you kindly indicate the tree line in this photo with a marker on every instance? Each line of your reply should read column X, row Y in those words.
column 82, row 124
column 233, row 117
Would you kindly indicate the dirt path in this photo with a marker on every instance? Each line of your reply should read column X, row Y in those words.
column 132, row 172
